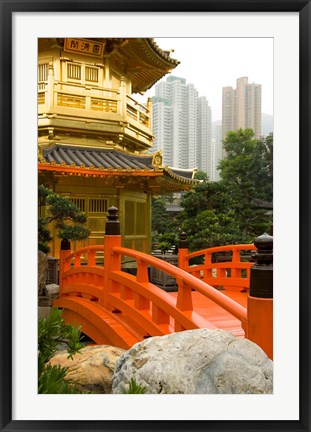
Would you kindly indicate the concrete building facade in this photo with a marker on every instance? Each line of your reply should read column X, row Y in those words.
column 181, row 124
column 241, row 107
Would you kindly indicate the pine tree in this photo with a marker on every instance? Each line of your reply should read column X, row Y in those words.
column 66, row 216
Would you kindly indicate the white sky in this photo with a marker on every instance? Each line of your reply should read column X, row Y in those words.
column 213, row 63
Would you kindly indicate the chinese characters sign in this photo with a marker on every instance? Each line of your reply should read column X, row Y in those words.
column 84, row 46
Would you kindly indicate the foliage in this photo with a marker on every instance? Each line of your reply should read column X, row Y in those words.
column 52, row 381
column 161, row 221
column 210, row 228
column 207, row 216
column 206, row 196
column 134, row 388
column 233, row 210
column 248, row 166
column 64, row 214
column 44, row 236
column 164, row 226
column 201, row 175
column 53, row 331
column 248, row 172
column 166, row 241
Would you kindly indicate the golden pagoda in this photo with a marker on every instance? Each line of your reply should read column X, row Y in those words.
column 94, row 137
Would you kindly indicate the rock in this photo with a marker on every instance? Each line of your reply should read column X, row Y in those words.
column 195, row 362
column 92, row 369
column 52, row 290
column 42, row 268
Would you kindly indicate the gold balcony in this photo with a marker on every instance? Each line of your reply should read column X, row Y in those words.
column 94, row 110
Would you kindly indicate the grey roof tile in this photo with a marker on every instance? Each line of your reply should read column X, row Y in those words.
column 108, row 158
column 105, row 158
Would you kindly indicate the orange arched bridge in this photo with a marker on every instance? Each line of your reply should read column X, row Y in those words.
column 118, row 308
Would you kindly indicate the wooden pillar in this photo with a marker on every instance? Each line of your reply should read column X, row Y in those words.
column 63, row 266
column 111, row 261
column 122, row 89
column 260, row 299
column 50, row 91
column 184, row 296
column 149, row 112
column 182, row 251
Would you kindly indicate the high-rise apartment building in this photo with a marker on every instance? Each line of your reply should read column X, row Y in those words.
column 241, row 107
column 181, row 125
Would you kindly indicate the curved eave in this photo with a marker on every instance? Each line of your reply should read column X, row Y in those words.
column 166, row 185
column 102, row 172
column 105, row 163
column 65, row 170
column 164, row 55
column 159, row 181
column 148, row 63
column 187, row 181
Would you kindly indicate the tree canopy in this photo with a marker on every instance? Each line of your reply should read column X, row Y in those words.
column 248, row 166
column 235, row 209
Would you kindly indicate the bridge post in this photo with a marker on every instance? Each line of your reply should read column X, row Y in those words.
column 184, row 296
column 182, row 251
column 111, row 262
column 260, row 299
column 65, row 251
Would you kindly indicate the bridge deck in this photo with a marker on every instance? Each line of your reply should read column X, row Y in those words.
column 217, row 315
column 205, row 307
column 104, row 321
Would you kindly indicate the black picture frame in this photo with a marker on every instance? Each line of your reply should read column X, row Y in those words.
column 6, row 172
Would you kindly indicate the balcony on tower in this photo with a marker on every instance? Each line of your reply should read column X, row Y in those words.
column 85, row 89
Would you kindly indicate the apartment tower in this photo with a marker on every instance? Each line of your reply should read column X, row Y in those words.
column 181, row 125
column 241, row 107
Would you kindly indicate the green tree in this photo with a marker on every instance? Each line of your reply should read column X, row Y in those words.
column 64, row 214
column 209, row 218
column 201, row 175
column 166, row 241
column 206, row 196
column 160, row 220
column 233, row 210
column 247, row 170
column 164, row 225
column 248, row 166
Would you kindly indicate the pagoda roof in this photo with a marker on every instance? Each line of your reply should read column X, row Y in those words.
column 95, row 158
column 149, row 62
column 185, row 173
column 103, row 162
column 146, row 63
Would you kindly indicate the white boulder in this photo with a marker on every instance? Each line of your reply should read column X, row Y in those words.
column 195, row 362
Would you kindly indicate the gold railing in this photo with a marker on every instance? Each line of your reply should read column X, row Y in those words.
column 138, row 112
column 97, row 99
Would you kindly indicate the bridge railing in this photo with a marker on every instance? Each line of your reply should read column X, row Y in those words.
column 149, row 308
column 222, row 266
column 146, row 295
column 79, row 274
column 134, row 295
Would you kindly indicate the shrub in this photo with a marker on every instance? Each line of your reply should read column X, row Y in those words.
column 133, row 388
column 53, row 331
